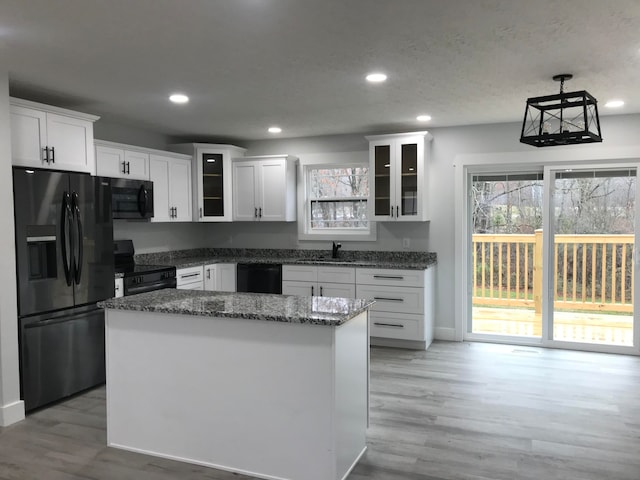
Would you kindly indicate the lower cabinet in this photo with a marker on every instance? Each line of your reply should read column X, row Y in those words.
column 119, row 288
column 404, row 305
column 190, row 278
column 318, row 281
column 220, row 277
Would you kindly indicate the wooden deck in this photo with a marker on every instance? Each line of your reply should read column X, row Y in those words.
column 568, row 326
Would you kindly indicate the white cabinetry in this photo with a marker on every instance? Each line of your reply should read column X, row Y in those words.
column 190, row 278
column 220, row 277
column 120, row 161
column 323, row 281
column 48, row 137
column 404, row 304
column 171, row 177
column 264, row 188
column 119, row 288
column 398, row 176
column 212, row 186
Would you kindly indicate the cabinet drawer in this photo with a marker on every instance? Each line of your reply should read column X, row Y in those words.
column 393, row 299
column 191, row 286
column 336, row 274
column 300, row 273
column 381, row 276
column 399, row 326
column 189, row 275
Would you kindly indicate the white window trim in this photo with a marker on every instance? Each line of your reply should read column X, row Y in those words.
column 304, row 232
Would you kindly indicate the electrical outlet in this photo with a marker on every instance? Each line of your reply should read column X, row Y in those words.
column 406, row 243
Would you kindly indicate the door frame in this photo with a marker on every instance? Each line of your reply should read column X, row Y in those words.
column 467, row 164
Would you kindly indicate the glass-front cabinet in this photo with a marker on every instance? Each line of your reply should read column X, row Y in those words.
column 212, row 186
column 399, row 170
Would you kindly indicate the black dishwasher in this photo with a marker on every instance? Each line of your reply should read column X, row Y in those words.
column 259, row 278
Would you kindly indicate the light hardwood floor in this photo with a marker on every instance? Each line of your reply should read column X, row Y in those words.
column 457, row 411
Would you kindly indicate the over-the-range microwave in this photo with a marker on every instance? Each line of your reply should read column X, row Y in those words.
column 131, row 199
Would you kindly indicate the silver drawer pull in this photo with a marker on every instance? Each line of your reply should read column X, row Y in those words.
column 391, row 277
column 395, row 325
column 45, row 238
column 190, row 275
column 387, row 299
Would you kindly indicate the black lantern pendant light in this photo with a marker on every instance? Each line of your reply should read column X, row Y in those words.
column 562, row 119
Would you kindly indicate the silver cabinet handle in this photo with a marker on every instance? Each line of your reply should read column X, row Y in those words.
column 390, row 277
column 255, row 214
column 391, row 211
column 320, row 291
column 388, row 299
column 397, row 212
column 394, row 325
column 188, row 275
column 200, row 212
column 260, row 212
column 312, row 290
column 208, row 273
column 53, row 154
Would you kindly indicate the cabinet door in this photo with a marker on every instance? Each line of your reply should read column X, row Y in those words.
column 244, row 191
column 180, row 189
column 272, row 190
column 159, row 175
column 342, row 290
column 210, row 272
column 226, row 277
column 304, row 289
column 408, row 169
column 72, row 139
column 212, row 186
column 110, row 162
column 381, row 154
column 137, row 165
column 28, row 137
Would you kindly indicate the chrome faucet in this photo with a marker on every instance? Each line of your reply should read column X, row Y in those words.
column 334, row 250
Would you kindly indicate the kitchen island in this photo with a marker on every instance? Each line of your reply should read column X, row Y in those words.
column 272, row 386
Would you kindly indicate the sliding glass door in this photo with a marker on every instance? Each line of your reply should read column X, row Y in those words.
column 592, row 239
column 506, row 255
column 551, row 257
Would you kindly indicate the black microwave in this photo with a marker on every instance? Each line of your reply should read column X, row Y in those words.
column 131, row 199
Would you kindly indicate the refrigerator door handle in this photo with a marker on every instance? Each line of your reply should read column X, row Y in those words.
column 78, row 222
column 64, row 236
column 142, row 200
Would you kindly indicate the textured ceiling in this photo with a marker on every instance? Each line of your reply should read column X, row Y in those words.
column 300, row 64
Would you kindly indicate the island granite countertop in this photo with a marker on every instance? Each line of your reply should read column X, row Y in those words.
column 328, row 311
column 365, row 259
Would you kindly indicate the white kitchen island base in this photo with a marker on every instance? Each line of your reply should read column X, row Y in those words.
column 268, row 399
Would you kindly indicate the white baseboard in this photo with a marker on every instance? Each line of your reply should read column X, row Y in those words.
column 445, row 333
column 12, row 413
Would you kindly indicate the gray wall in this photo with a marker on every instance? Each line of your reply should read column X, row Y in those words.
column 438, row 235
column 11, row 408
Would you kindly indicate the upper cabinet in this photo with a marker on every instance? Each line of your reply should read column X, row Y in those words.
column 120, row 161
column 171, row 177
column 398, row 172
column 212, row 199
column 264, row 188
column 49, row 137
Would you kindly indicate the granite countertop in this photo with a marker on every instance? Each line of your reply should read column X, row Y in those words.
column 328, row 311
column 367, row 259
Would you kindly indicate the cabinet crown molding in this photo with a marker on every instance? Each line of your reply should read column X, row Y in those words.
column 427, row 136
column 20, row 102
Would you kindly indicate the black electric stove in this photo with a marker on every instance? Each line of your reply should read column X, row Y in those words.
column 139, row 278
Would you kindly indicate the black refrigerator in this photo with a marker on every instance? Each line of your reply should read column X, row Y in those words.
column 64, row 262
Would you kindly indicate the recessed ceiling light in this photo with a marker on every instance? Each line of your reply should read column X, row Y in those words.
column 179, row 98
column 423, row 118
column 376, row 77
column 614, row 104
column 275, row 130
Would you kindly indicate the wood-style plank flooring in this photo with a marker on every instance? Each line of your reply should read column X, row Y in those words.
column 457, row 411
